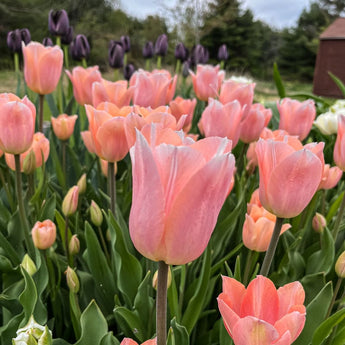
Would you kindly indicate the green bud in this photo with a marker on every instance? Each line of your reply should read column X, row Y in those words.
column 72, row 280
column 96, row 214
column 29, row 265
column 82, row 184
column 46, row 338
column 29, row 163
column 74, row 245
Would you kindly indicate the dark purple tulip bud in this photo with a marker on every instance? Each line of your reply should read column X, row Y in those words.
column 181, row 52
column 161, row 45
column 148, row 50
column 26, row 37
column 126, row 43
column 14, row 41
column 80, row 48
column 222, row 53
column 68, row 38
column 116, row 54
column 206, row 56
column 58, row 22
column 200, row 55
column 128, row 71
column 185, row 68
column 47, row 42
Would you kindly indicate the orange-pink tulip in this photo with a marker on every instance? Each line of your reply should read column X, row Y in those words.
column 260, row 314
column 296, row 117
column 70, row 201
column 44, row 234
column 107, row 91
column 153, row 89
column 82, row 80
column 129, row 341
column 207, row 81
column 40, row 147
column 42, row 67
column 222, row 120
column 289, row 177
column 63, row 126
column 180, row 107
column 330, row 177
column 256, row 119
column 339, row 147
column 17, row 123
column 177, row 188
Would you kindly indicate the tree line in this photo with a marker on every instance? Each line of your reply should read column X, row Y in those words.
column 252, row 44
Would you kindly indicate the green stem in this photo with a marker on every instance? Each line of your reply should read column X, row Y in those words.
column 66, row 240
column 41, row 110
column 178, row 66
column 182, row 287
column 16, row 63
column 31, row 185
column 8, row 193
column 159, row 62
column 24, row 221
column 84, row 63
column 148, row 65
column 248, row 267
column 339, row 218
column 112, row 186
column 104, row 245
column 65, row 54
column 63, row 158
column 272, row 247
column 125, row 58
column 222, row 64
column 116, row 74
column 58, row 41
column 335, row 293
column 161, row 303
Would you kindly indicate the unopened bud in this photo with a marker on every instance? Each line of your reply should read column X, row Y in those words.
column 29, row 265
column 44, row 234
column 72, row 280
column 74, row 245
column 70, row 202
column 96, row 214
column 155, row 279
column 29, row 163
column 82, row 184
column 340, row 266
column 319, row 222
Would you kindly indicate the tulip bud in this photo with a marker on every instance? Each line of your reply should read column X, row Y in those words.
column 148, row 50
column 70, row 202
column 223, row 53
column 72, row 280
column 155, row 279
column 96, row 214
column 44, row 234
column 128, row 71
column 116, row 54
column 319, row 222
column 47, row 42
column 181, row 52
column 29, row 265
column 74, row 245
column 200, row 55
column 26, row 36
column 126, row 43
column 161, row 45
column 340, row 266
column 15, row 38
column 58, row 22
column 82, row 184
column 68, row 37
column 29, row 163
column 80, row 48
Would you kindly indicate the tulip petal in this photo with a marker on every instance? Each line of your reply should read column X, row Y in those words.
column 234, row 292
column 285, row 339
column 128, row 341
column 290, row 295
column 230, row 318
column 293, row 323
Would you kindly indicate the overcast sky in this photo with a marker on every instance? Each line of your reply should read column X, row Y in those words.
column 277, row 13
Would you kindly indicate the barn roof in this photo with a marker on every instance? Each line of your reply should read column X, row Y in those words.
column 335, row 31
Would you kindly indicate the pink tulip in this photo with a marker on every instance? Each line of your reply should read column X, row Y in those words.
column 233, row 90
column 339, row 147
column 254, row 122
column 82, row 80
column 63, row 126
column 288, row 177
column 177, row 188
column 296, row 117
column 330, row 177
column 42, row 67
column 44, row 234
column 40, row 147
column 88, row 142
column 129, row 341
column 153, row 89
column 180, row 106
column 207, row 81
column 17, row 123
column 70, row 201
column 107, row 91
column 222, row 120
column 260, row 314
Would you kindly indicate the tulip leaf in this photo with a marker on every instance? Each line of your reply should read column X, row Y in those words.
column 109, row 339
column 48, row 209
column 339, row 337
column 172, row 295
column 178, row 334
column 75, row 313
column 93, row 325
column 60, row 342
column 56, row 163
column 278, row 81
column 312, row 284
column 9, row 250
column 334, row 207
column 322, row 260
column 338, row 82
column 316, row 313
column 196, row 303
column 52, row 105
column 326, row 328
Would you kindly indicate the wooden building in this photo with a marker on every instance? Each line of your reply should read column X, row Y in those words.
column 330, row 58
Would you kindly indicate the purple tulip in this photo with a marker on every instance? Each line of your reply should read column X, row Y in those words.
column 200, row 55
column 223, row 53
column 15, row 38
column 128, row 71
column 116, row 54
column 161, row 45
column 68, row 38
column 126, row 43
column 186, row 68
column 181, row 52
column 80, row 48
column 148, row 50
column 58, row 22
column 47, row 42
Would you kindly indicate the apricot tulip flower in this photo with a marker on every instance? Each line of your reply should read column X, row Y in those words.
column 129, row 341
column 296, row 117
column 260, row 314
column 63, row 126
column 44, row 234
column 180, row 107
column 289, row 177
column 339, row 147
column 42, row 67
column 330, row 177
column 178, row 192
